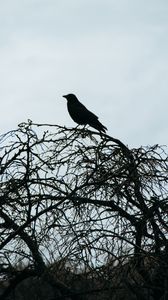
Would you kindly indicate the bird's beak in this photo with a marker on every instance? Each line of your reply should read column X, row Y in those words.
column 64, row 96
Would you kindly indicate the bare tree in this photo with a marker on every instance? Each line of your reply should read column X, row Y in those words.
column 85, row 199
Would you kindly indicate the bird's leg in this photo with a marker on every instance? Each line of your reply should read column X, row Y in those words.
column 83, row 131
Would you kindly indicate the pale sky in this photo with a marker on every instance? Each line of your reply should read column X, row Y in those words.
column 113, row 54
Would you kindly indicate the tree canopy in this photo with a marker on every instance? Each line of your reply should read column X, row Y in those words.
column 85, row 199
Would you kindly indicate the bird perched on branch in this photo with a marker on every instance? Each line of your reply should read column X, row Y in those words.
column 81, row 115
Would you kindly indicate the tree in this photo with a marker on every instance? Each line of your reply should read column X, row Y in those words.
column 86, row 200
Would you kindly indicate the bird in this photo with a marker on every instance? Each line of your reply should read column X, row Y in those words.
column 81, row 115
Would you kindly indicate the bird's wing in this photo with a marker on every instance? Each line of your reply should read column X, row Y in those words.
column 83, row 110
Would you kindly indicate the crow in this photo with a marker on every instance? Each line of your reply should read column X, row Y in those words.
column 81, row 115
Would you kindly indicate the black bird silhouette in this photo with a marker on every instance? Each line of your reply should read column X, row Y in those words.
column 81, row 115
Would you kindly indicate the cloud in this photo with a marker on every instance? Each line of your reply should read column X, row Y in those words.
column 112, row 54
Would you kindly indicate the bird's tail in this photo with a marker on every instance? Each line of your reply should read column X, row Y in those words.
column 99, row 126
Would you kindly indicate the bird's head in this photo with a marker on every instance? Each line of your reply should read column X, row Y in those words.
column 70, row 97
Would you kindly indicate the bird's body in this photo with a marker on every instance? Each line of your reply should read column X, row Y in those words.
column 81, row 115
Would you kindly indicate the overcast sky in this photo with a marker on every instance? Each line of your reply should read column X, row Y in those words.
column 113, row 54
